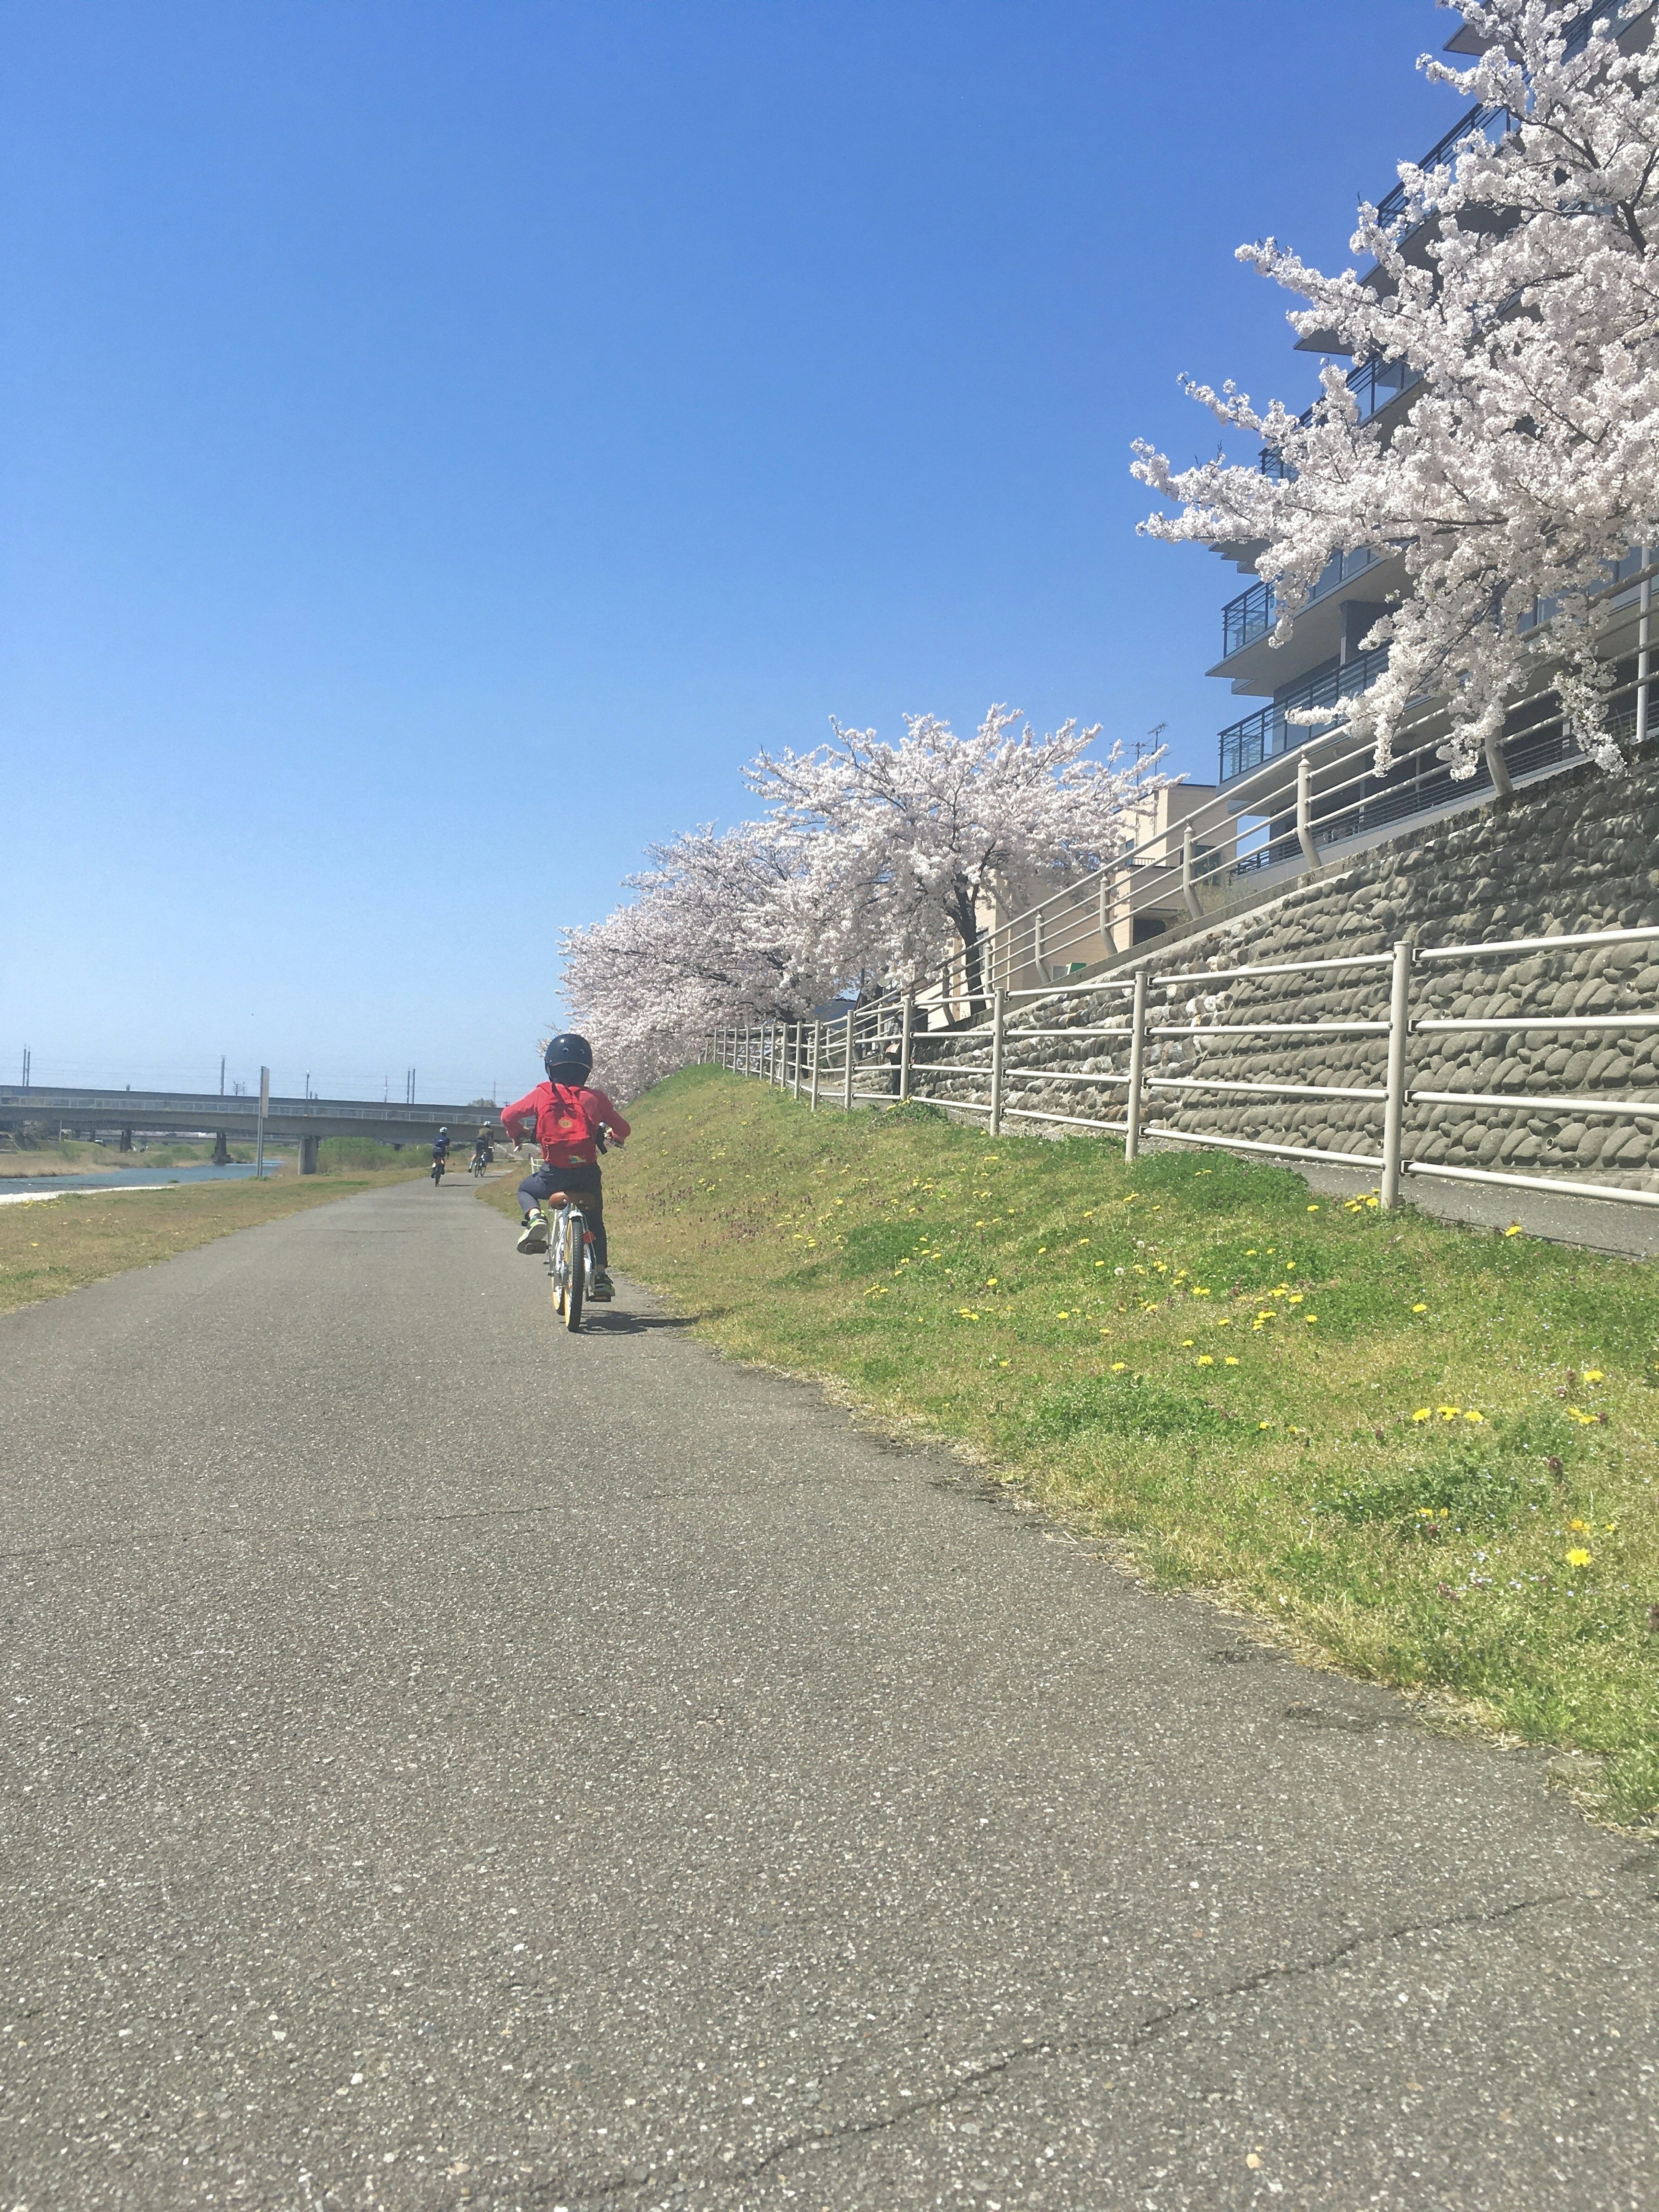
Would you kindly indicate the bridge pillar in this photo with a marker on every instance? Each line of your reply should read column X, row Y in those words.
column 126, row 1140
column 221, row 1150
column 307, row 1156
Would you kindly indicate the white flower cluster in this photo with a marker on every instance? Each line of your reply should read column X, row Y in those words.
column 1520, row 283
column 871, row 861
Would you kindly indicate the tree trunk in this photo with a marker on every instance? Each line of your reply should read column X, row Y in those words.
column 967, row 922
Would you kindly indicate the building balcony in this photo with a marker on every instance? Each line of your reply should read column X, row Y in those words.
column 1491, row 124
column 1254, row 613
column 1374, row 385
column 1260, row 737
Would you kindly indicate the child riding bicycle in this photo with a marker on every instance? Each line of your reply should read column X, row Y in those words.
column 568, row 1121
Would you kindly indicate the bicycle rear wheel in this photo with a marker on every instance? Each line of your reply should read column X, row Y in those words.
column 576, row 1273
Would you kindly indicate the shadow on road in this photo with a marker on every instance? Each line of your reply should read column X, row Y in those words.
column 628, row 1324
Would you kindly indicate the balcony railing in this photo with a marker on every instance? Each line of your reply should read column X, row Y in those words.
column 1373, row 384
column 1491, row 124
column 1263, row 736
column 1254, row 613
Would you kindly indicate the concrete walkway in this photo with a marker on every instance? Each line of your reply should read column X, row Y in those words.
column 452, row 1762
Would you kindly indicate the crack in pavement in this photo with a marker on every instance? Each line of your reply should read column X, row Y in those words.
column 1131, row 2038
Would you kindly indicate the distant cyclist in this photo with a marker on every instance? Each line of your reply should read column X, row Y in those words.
column 568, row 1121
column 482, row 1150
column 439, row 1154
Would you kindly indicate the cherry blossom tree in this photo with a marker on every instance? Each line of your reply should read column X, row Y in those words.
column 894, row 847
column 1519, row 282
column 714, row 934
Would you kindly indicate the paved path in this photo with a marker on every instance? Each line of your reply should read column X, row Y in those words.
column 449, row 1761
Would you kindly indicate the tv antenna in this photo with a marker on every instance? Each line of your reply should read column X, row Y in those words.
column 1150, row 743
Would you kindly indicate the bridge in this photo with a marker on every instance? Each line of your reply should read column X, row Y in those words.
column 207, row 1113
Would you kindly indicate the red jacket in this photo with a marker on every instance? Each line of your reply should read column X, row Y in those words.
column 564, row 1119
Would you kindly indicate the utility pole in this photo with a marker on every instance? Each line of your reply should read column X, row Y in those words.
column 25, row 1067
column 221, row 1075
column 259, row 1128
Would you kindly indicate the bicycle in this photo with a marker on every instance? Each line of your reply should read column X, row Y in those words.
column 437, row 1170
column 478, row 1163
column 570, row 1259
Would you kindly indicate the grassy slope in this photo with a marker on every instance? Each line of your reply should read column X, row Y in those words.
column 62, row 1243
column 1430, row 1450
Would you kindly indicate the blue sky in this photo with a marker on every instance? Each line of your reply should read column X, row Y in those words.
column 445, row 442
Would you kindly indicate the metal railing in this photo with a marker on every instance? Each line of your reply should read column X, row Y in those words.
column 1165, row 1038
column 1254, row 613
column 1491, row 124
column 1373, row 385
column 1231, row 849
column 1245, row 744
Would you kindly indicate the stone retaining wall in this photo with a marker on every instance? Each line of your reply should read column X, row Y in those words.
column 1578, row 852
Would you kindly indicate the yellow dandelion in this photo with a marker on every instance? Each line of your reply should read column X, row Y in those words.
column 1186, row 1343
column 991, row 1281
column 1472, row 1416
column 1422, row 1414
column 1310, row 1319
column 1420, row 1309
column 1232, row 1359
column 1579, row 1528
column 1514, row 1229
column 1118, row 1366
column 1063, row 1316
column 1579, row 1557
column 1449, row 1412
column 1313, row 1209
column 1205, row 1359
column 1594, row 1375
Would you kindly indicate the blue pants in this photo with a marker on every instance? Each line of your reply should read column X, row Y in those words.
column 584, row 1185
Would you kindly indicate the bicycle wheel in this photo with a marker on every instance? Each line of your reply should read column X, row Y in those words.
column 575, row 1272
column 556, row 1262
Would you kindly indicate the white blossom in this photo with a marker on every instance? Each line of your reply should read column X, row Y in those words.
column 712, row 937
column 1519, row 282
column 899, row 848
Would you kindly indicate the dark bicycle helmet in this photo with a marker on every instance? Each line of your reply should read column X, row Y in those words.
column 569, row 1059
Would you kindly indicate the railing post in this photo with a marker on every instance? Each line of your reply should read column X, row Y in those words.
column 1643, row 639
column 1188, row 891
column 1304, row 835
column 1393, row 1105
column 817, row 1053
column 906, row 1023
column 999, row 1006
column 795, row 1069
column 1039, row 944
column 846, row 1101
column 1137, row 1055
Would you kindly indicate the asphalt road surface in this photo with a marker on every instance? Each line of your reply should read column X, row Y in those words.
column 449, row 1761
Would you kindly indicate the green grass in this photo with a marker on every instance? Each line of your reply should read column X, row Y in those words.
column 1428, row 1453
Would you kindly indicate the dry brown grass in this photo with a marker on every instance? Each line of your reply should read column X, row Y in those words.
column 50, row 1246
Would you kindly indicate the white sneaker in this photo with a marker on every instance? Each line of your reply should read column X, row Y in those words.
column 533, row 1237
